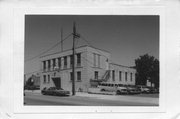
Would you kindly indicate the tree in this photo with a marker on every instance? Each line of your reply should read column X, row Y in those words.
column 147, row 68
column 29, row 82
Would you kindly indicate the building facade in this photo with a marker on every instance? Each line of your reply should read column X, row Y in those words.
column 90, row 63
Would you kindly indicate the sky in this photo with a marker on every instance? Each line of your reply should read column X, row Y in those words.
column 125, row 37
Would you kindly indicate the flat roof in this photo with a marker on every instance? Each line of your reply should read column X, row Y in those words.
column 122, row 65
column 71, row 49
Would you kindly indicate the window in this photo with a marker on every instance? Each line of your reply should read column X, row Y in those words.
column 96, row 74
column 49, row 64
column 65, row 62
column 54, row 63
column 98, row 61
column 131, row 76
column 59, row 62
column 48, row 78
column 79, row 59
column 119, row 75
column 44, row 78
column 78, row 76
column 44, row 65
column 71, row 76
column 126, row 76
column 113, row 75
column 94, row 55
column 71, row 60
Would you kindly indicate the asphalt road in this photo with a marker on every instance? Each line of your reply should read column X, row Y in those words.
column 44, row 100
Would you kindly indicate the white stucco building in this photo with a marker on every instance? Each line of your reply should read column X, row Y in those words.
column 90, row 63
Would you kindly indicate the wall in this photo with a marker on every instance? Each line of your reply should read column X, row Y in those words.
column 123, row 69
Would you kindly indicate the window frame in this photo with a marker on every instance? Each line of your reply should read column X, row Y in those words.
column 126, row 76
column 48, row 78
column 54, row 63
column 78, row 75
column 96, row 74
column 65, row 61
column 44, row 78
column 113, row 75
column 44, row 65
column 78, row 59
column 59, row 62
column 49, row 64
column 120, row 75
column 131, row 76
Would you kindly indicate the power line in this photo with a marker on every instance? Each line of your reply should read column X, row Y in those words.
column 92, row 46
column 48, row 49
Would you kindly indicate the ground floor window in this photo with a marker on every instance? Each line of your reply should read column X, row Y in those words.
column 96, row 74
column 44, row 78
column 78, row 76
column 71, row 76
column 126, row 76
column 113, row 75
column 119, row 75
column 48, row 78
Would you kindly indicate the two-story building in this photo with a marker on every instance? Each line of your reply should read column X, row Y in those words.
column 90, row 63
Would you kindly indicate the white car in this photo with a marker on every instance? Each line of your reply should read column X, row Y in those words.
column 143, row 89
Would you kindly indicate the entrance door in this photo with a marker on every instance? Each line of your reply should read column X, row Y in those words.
column 57, row 82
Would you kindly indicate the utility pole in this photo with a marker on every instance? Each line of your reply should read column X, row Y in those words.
column 61, row 39
column 73, row 59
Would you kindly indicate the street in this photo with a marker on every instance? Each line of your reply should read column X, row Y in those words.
column 88, row 100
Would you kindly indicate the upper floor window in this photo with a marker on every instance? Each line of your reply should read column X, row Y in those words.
column 59, row 62
column 79, row 59
column 44, row 65
column 65, row 61
column 131, row 76
column 49, row 64
column 94, row 56
column 71, row 60
column 54, row 63
column 98, row 60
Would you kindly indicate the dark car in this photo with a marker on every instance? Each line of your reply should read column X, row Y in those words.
column 55, row 91
column 153, row 90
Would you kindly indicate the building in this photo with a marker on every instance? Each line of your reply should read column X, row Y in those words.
column 90, row 63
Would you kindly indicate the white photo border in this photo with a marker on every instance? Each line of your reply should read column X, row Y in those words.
column 18, row 58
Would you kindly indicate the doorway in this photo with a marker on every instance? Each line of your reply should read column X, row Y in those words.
column 57, row 82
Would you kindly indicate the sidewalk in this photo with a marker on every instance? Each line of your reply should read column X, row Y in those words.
column 33, row 91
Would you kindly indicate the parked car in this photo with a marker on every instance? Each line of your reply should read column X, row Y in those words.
column 113, row 87
column 55, row 91
column 131, row 89
column 143, row 89
column 153, row 90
